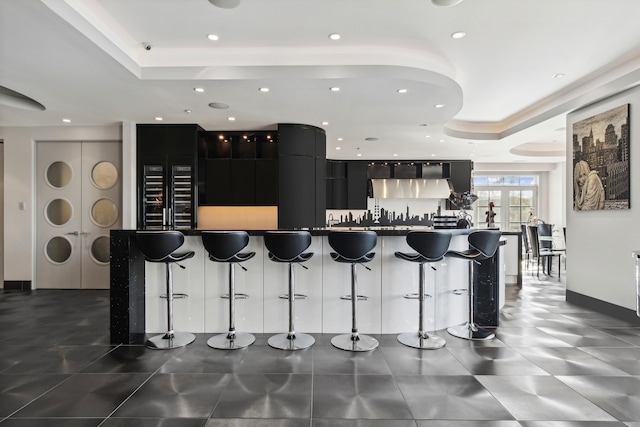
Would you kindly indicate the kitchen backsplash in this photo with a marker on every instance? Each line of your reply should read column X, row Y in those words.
column 388, row 212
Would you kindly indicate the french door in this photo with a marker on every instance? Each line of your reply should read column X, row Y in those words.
column 512, row 206
column 79, row 193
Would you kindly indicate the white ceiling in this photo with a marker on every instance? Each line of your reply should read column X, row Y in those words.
column 85, row 60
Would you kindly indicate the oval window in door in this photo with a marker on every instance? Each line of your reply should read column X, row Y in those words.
column 104, row 175
column 59, row 174
column 104, row 213
column 100, row 250
column 58, row 250
column 58, row 212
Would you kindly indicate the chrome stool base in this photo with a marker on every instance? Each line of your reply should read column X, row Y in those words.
column 468, row 331
column 223, row 342
column 299, row 341
column 347, row 343
column 413, row 339
column 164, row 342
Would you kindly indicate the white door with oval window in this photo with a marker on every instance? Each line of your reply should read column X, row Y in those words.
column 79, row 194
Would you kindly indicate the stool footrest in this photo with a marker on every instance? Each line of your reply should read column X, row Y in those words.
column 416, row 296
column 295, row 296
column 238, row 296
column 359, row 297
column 175, row 296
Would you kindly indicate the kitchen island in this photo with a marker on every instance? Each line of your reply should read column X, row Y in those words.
column 136, row 287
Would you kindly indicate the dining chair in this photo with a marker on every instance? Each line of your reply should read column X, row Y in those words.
column 541, row 249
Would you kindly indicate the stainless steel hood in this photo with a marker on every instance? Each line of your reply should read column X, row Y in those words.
column 411, row 188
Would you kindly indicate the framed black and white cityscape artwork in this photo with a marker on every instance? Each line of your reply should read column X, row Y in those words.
column 601, row 161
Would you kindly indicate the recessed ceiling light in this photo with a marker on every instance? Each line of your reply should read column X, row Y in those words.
column 335, row 89
column 264, row 89
column 558, row 76
column 213, row 37
column 325, row 123
column 433, row 154
column 439, row 105
column 199, row 89
column 442, row 140
column 218, row 105
column 231, row 119
column 427, row 136
column 339, row 139
column 159, row 119
column 402, row 90
column 395, row 154
column 334, row 36
column 337, row 148
column 458, row 35
column 66, row 120
column 187, row 111
column 359, row 154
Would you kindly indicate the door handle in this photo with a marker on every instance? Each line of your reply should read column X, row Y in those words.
column 73, row 233
column 84, row 233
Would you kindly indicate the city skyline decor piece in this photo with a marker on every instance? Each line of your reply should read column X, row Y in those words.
column 601, row 177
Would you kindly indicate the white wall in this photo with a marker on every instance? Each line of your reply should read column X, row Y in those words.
column 19, row 165
column 599, row 243
column 551, row 189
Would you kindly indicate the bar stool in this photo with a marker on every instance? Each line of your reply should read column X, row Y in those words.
column 352, row 247
column 159, row 246
column 484, row 244
column 225, row 246
column 289, row 247
column 430, row 246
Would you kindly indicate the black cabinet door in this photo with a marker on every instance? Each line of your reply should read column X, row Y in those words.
column 357, row 185
column 296, row 192
column 243, row 182
column 460, row 178
column 218, row 182
column 266, row 182
column 339, row 193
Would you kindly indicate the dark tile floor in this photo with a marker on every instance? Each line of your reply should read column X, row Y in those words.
column 552, row 365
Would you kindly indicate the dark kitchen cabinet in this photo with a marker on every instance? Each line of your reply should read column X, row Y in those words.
column 460, row 175
column 243, row 182
column 301, row 176
column 218, row 182
column 357, row 185
column 167, row 171
column 241, row 169
column 346, row 184
column 336, row 184
column 266, row 182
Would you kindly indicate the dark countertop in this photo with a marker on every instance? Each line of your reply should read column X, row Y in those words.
column 381, row 231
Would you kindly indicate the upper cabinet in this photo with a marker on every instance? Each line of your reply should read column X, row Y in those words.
column 347, row 181
column 346, row 184
column 239, row 169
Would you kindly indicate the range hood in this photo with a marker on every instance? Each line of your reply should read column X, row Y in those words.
column 411, row 188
